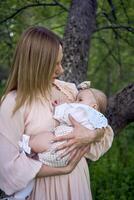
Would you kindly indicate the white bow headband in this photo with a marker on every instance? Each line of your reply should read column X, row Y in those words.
column 84, row 85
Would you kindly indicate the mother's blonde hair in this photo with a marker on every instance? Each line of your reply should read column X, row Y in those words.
column 33, row 64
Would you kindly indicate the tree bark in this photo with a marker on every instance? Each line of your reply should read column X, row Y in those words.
column 80, row 25
column 120, row 111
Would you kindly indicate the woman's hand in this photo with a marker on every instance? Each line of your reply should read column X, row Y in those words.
column 76, row 156
column 40, row 142
column 80, row 137
column 73, row 161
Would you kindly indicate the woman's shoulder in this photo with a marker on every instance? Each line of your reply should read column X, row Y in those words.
column 8, row 103
column 68, row 85
column 9, row 99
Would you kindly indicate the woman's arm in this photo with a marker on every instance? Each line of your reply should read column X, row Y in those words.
column 97, row 149
column 37, row 144
column 74, row 159
column 16, row 169
column 80, row 136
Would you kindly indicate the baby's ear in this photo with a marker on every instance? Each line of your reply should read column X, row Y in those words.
column 95, row 106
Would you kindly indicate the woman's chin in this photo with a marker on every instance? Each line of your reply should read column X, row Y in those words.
column 53, row 79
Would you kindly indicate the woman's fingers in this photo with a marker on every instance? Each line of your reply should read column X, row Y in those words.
column 68, row 151
column 84, row 150
column 77, row 155
column 62, row 138
column 65, row 145
column 72, row 155
column 73, row 121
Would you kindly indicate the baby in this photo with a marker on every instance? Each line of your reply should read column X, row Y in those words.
column 87, row 110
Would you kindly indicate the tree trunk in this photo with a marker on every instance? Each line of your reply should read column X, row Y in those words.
column 80, row 25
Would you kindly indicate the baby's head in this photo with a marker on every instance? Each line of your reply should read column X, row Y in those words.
column 94, row 98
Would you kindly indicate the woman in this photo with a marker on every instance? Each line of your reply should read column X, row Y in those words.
column 27, row 108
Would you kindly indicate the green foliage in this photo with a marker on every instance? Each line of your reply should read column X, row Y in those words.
column 112, row 177
column 1, row 89
column 111, row 54
column 53, row 17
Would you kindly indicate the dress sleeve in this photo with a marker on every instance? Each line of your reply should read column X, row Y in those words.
column 97, row 149
column 71, row 87
column 68, row 88
column 16, row 169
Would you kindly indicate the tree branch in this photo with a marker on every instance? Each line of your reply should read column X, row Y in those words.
column 56, row 27
column 125, row 27
column 55, row 3
column 107, row 46
column 112, row 9
column 61, row 5
column 125, row 11
column 52, row 16
column 98, row 67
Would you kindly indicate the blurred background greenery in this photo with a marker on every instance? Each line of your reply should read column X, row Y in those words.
column 112, row 177
column 110, row 69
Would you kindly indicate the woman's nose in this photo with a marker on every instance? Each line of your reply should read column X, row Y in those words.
column 61, row 69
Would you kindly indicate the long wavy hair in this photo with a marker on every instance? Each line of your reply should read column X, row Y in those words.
column 33, row 65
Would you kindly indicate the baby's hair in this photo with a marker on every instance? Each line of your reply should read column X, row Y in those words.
column 101, row 99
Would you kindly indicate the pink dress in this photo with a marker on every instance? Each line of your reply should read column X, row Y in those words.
column 17, row 169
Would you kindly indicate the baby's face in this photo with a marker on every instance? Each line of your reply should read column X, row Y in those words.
column 86, row 97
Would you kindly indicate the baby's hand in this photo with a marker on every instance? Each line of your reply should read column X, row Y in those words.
column 40, row 142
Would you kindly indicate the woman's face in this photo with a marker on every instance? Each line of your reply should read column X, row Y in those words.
column 58, row 69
